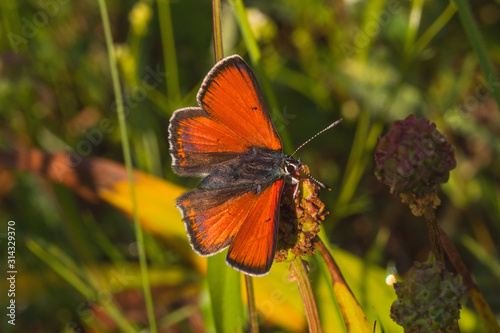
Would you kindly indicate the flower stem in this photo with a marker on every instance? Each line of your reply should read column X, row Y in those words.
column 482, row 307
column 433, row 227
column 305, row 289
column 217, row 26
column 252, row 310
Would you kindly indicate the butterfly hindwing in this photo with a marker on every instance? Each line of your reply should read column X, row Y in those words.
column 252, row 250
column 242, row 217
column 213, row 216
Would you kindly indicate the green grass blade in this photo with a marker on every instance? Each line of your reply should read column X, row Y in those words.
column 371, row 14
column 413, row 24
column 432, row 31
column 482, row 255
column 169, row 55
column 224, row 285
column 355, row 168
column 250, row 41
column 58, row 261
column 102, row 240
column 477, row 43
column 128, row 163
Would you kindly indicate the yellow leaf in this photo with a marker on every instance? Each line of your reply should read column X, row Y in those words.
column 157, row 212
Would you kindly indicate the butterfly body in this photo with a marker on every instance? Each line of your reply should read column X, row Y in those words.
column 231, row 142
column 257, row 168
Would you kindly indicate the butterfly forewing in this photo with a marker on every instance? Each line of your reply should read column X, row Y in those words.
column 198, row 143
column 232, row 118
column 231, row 95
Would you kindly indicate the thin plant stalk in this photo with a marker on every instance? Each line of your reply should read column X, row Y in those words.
column 252, row 310
column 300, row 275
column 355, row 169
column 482, row 307
column 216, row 12
column 477, row 43
column 433, row 227
column 169, row 54
column 128, row 164
column 413, row 25
column 54, row 258
column 246, row 32
column 435, row 27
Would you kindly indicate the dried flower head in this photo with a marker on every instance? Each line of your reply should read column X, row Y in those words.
column 414, row 159
column 300, row 217
column 428, row 300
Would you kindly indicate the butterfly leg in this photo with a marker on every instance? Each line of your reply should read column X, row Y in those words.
column 295, row 182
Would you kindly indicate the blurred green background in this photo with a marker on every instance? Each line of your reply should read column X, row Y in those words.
column 370, row 62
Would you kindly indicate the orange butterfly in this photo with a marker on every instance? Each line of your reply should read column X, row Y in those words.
column 231, row 141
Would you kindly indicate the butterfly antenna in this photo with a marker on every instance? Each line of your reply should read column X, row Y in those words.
column 302, row 145
column 314, row 179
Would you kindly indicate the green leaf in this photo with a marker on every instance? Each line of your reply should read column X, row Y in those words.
column 224, row 285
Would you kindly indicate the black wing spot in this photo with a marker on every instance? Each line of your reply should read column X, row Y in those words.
column 254, row 108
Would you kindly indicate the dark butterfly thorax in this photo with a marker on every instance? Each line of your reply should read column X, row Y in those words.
column 257, row 168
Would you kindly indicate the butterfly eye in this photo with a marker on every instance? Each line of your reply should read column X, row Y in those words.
column 290, row 168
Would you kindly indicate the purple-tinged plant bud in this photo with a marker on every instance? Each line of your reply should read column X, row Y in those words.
column 414, row 159
column 428, row 300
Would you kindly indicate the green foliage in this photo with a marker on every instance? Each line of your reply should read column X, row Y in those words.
column 370, row 62
column 225, row 296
